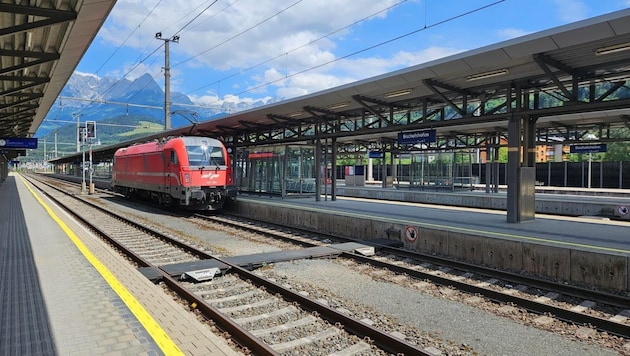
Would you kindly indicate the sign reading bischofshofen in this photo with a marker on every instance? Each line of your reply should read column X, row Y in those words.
column 413, row 137
column 587, row 148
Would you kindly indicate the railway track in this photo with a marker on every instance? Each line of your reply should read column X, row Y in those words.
column 547, row 301
column 259, row 314
column 543, row 304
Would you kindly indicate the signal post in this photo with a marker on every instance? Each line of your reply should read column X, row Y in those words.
column 87, row 135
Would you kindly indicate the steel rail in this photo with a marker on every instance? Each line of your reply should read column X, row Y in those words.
column 533, row 306
column 240, row 335
column 354, row 326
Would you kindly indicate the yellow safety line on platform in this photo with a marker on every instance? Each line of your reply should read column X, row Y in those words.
column 419, row 223
column 154, row 329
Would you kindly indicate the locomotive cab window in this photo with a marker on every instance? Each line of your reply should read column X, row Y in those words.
column 205, row 156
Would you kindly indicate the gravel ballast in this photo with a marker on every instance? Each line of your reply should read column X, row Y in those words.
column 485, row 332
column 449, row 321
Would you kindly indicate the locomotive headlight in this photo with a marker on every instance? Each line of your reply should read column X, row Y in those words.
column 186, row 177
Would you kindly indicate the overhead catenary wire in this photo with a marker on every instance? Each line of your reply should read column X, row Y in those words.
column 128, row 37
column 240, row 33
column 191, row 21
column 81, row 110
column 425, row 27
column 252, row 27
column 296, row 48
column 194, row 18
column 289, row 75
column 148, row 56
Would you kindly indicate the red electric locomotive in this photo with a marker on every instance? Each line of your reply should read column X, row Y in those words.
column 192, row 172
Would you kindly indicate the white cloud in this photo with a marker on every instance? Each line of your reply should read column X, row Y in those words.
column 343, row 72
column 209, row 100
column 239, row 35
column 212, row 100
column 244, row 45
column 87, row 74
column 362, row 68
column 286, row 87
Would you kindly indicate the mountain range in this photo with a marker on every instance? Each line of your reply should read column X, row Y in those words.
column 123, row 104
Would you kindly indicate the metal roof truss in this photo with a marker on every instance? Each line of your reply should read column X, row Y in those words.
column 561, row 90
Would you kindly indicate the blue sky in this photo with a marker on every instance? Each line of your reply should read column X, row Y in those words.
column 245, row 50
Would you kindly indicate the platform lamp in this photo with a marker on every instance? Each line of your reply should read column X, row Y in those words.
column 90, row 135
column 82, row 135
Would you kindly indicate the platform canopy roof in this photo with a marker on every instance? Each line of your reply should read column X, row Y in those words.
column 593, row 51
column 41, row 43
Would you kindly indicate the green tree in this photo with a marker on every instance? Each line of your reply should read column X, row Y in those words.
column 618, row 151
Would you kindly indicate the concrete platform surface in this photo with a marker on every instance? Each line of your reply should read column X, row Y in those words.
column 64, row 292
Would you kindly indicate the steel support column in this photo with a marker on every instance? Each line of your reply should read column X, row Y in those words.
column 496, row 171
column 318, row 169
column 530, row 142
column 333, row 178
column 283, row 172
column 384, row 165
column 520, row 177
column 489, row 166
column 392, row 164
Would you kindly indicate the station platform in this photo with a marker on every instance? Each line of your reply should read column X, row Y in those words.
column 584, row 232
column 586, row 250
column 568, row 201
column 64, row 292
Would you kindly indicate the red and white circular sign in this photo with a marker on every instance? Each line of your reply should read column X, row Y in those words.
column 411, row 233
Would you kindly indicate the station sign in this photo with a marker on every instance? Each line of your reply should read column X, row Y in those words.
column 376, row 154
column 413, row 137
column 588, row 148
column 15, row 142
